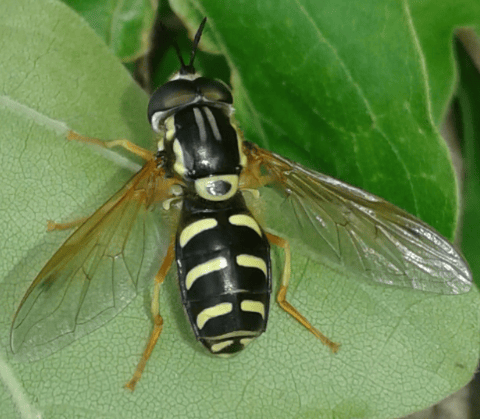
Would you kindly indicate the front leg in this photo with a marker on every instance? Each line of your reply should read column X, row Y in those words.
column 127, row 145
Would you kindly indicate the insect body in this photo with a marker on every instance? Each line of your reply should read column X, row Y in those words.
column 222, row 253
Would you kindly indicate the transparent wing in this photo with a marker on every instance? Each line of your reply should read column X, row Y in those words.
column 96, row 272
column 358, row 230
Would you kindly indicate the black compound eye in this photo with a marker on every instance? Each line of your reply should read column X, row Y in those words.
column 213, row 90
column 171, row 95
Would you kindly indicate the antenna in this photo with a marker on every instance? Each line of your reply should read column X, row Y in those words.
column 189, row 69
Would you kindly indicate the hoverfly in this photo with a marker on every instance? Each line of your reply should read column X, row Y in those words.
column 205, row 168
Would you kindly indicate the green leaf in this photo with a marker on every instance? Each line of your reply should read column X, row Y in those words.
column 343, row 90
column 435, row 23
column 124, row 25
column 401, row 350
column 469, row 106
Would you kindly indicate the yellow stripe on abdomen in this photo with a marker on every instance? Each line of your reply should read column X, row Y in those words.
column 209, row 313
column 245, row 221
column 217, row 347
column 253, row 306
column 203, row 269
column 195, row 228
column 252, row 262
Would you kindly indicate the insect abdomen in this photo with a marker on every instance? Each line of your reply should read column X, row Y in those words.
column 224, row 269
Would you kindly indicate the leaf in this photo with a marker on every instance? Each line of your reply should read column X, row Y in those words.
column 401, row 350
column 469, row 106
column 435, row 23
column 342, row 90
column 123, row 25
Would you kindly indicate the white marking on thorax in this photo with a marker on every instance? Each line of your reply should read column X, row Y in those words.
column 243, row 157
column 202, row 184
column 202, row 132
column 161, row 144
column 179, row 165
column 170, row 126
column 213, row 124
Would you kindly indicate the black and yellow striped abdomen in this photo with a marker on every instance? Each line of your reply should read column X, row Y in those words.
column 224, row 269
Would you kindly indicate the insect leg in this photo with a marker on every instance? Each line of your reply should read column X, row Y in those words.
column 52, row 225
column 282, row 293
column 157, row 318
column 252, row 178
column 127, row 145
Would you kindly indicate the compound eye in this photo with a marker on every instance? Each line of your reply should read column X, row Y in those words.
column 171, row 95
column 213, row 90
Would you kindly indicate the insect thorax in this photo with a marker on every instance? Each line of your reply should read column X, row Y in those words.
column 202, row 147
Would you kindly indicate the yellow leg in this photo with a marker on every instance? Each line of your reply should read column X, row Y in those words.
column 157, row 319
column 255, row 174
column 52, row 225
column 127, row 145
column 282, row 294
column 253, row 178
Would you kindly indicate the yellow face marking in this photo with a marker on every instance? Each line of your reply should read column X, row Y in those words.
column 170, row 125
column 252, row 262
column 211, row 312
column 253, row 306
column 204, row 269
column 246, row 221
column 195, row 228
column 245, row 341
column 217, row 347
column 179, row 165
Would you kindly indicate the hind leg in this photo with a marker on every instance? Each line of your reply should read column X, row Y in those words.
column 282, row 294
column 157, row 318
